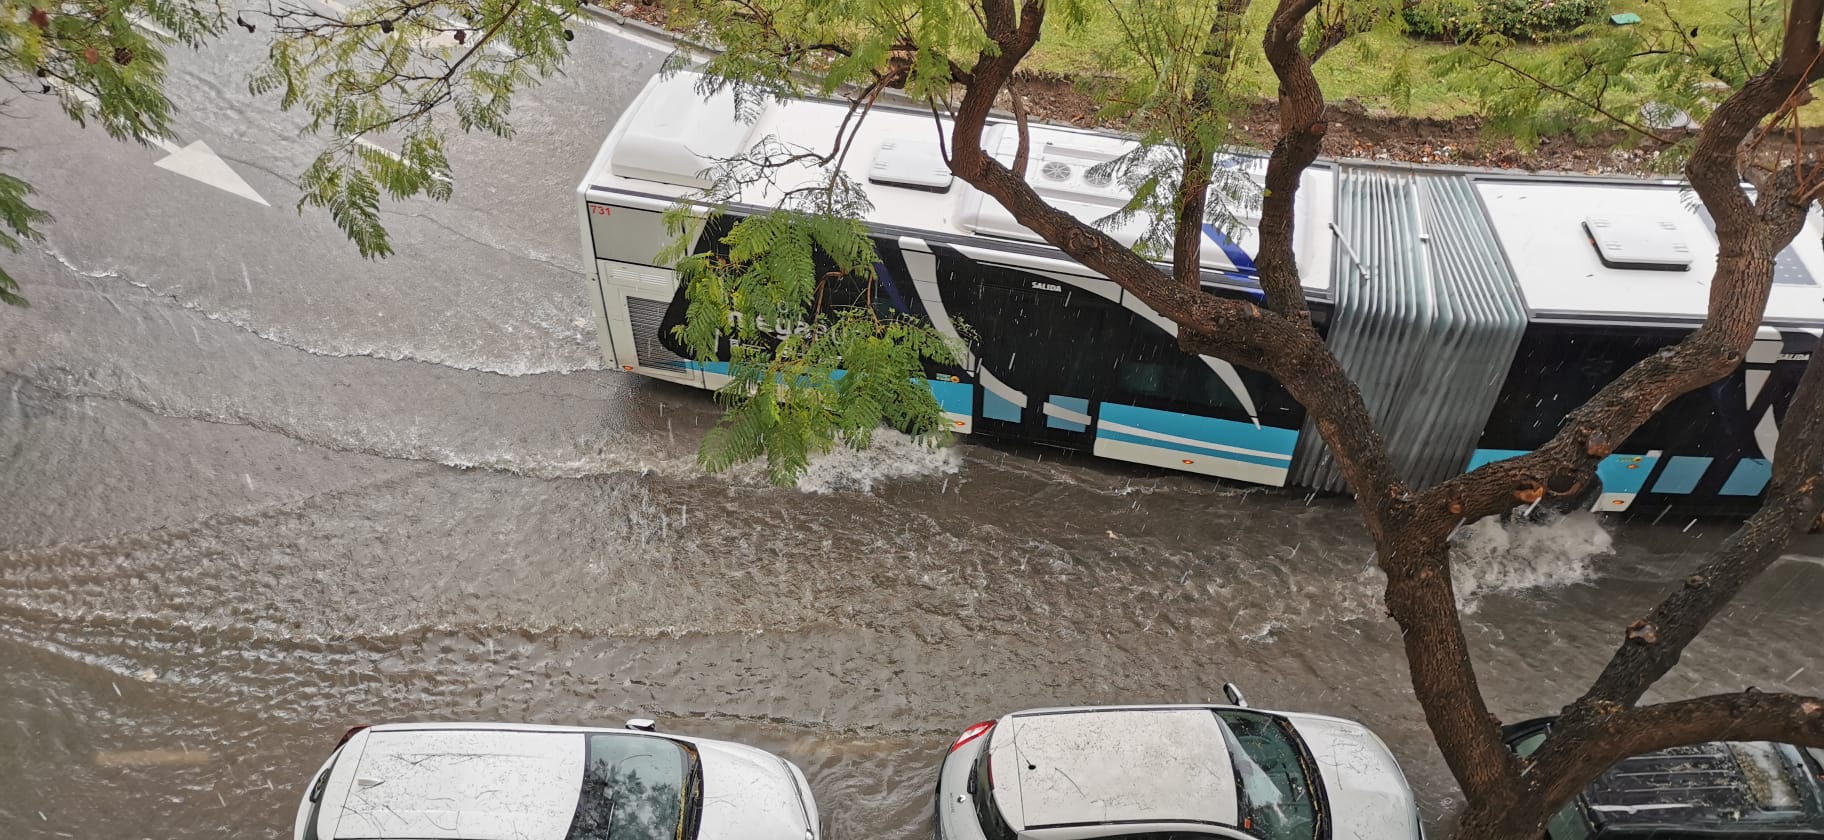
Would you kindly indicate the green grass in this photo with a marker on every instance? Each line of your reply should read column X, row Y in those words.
column 1366, row 67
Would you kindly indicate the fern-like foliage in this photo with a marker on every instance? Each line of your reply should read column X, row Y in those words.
column 21, row 221
column 815, row 361
column 1638, row 78
column 104, row 65
column 388, row 80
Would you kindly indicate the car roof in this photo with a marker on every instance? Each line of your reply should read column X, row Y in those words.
column 469, row 782
column 1112, row 765
column 442, row 781
column 1724, row 786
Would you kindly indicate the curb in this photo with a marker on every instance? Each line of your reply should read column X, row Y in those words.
column 697, row 50
column 643, row 28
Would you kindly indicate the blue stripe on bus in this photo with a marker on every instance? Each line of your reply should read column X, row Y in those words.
column 1245, row 272
column 996, row 408
column 1749, row 479
column 1625, row 473
column 1237, row 257
column 1076, row 404
column 1206, row 429
column 954, row 397
column 1618, row 473
column 1265, row 461
column 1681, row 474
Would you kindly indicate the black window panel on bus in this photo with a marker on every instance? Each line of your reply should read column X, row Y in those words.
column 1044, row 336
column 892, row 292
column 1559, row 367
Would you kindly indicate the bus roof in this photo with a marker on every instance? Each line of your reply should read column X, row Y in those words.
column 1575, row 247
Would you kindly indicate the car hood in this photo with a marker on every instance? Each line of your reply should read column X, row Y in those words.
column 751, row 795
column 1368, row 795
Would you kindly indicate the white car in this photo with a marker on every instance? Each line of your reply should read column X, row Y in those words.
column 1177, row 772
column 495, row 781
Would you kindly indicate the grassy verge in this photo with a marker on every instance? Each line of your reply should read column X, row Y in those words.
column 1368, row 67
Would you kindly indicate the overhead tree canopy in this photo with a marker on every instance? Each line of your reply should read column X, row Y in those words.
column 813, row 369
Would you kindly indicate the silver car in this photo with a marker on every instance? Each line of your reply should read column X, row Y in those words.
column 1172, row 772
column 494, row 781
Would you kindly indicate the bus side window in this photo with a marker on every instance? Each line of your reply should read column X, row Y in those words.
column 1152, row 370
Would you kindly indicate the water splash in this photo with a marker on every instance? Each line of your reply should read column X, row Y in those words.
column 1492, row 556
column 889, row 457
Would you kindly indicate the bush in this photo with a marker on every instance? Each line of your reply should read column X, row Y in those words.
column 1521, row 20
column 1530, row 20
column 1441, row 20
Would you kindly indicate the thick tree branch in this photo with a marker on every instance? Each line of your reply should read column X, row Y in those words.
column 1574, row 755
column 1301, row 136
column 1419, row 594
column 1254, row 338
column 1423, row 602
column 1019, row 117
column 1215, row 63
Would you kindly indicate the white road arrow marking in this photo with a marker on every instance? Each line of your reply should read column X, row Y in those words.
column 198, row 161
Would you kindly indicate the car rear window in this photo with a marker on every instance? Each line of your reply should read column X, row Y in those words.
column 987, row 812
column 636, row 787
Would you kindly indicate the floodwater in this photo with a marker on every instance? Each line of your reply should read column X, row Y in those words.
column 254, row 490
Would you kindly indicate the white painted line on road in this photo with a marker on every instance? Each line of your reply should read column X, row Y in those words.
column 199, row 162
column 364, row 142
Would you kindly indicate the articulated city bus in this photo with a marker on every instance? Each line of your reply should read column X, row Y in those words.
column 1475, row 309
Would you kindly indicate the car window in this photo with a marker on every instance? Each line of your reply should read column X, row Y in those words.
column 1568, row 824
column 1271, row 777
column 1530, row 744
column 634, row 788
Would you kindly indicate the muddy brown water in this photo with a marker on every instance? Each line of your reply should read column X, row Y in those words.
column 243, row 507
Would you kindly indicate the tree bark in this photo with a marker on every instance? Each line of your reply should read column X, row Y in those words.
column 1421, row 599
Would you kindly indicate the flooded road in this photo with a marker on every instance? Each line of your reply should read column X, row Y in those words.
column 254, row 490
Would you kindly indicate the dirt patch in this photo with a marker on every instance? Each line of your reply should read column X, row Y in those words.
column 1356, row 132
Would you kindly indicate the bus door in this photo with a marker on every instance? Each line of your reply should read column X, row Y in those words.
column 1039, row 343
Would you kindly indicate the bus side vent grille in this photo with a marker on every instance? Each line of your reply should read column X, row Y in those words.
column 646, row 317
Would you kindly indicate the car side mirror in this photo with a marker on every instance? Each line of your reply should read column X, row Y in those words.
column 643, row 725
column 1234, row 694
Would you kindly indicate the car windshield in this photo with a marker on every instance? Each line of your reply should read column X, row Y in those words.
column 636, row 787
column 1271, row 777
